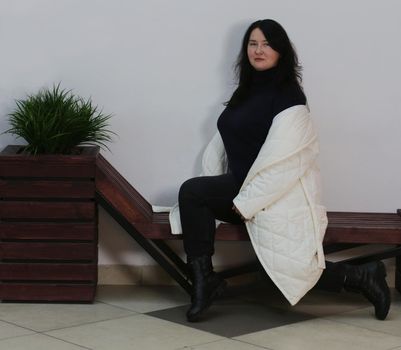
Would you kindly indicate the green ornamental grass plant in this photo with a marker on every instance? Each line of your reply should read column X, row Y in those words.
column 55, row 121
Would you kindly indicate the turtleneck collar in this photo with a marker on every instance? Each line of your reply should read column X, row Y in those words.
column 264, row 77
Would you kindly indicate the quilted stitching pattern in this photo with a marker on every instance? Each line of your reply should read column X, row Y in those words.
column 281, row 197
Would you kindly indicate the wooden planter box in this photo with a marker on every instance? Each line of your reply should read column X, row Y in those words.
column 48, row 226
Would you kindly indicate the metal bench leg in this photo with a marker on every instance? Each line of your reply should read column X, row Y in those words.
column 178, row 262
column 148, row 246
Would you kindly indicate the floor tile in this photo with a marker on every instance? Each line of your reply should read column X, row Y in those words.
column 256, row 315
column 320, row 334
column 135, row 332
column 142, row 298
column 226, row 344
column 365, row 318
column 43, row 317
column 37, row 342
column 231, row 317
column 8, row 330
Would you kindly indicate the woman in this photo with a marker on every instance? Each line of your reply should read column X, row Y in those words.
column 260, row 168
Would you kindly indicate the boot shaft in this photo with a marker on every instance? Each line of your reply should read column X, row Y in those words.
column 369, row 280
column 206, row 285
column 199, row 266
column 359, row 276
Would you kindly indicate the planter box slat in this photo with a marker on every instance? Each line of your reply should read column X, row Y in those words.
column 39, row 168
column 47, row 210
column 46, row 189
column 74, row 166
column 47, row 251
column 47, row 292
column 48, row 272
column 48, row 231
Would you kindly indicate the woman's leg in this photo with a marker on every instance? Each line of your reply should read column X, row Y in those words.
column 367, row 279
column 202, row 200
column 332, row 278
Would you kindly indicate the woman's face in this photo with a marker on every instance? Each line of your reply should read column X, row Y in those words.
column 261, row 56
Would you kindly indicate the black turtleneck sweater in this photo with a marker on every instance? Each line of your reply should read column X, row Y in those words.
column 244, row 127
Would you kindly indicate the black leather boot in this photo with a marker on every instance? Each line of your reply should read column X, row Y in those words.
column 206, row 284
column 369, row 279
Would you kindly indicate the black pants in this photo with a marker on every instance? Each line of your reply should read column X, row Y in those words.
column 202, row 200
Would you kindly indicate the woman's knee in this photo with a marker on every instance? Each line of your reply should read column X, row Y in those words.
column 190, row 188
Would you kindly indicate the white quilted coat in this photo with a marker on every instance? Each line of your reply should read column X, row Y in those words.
column 280, row 198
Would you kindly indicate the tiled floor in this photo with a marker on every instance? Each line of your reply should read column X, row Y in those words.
column 248, row 317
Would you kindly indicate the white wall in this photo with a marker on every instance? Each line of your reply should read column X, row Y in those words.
column 163, row 68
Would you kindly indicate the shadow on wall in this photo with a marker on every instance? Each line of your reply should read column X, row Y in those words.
column 228, row 82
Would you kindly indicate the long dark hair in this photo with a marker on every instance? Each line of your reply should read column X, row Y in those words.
column 288, row 68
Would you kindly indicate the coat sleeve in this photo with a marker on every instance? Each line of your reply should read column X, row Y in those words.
column 288, row 152
column 214, row 159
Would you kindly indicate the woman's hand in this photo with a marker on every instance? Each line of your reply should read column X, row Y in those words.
column 238, row 212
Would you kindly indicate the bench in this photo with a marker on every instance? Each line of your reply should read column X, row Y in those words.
column 152, row 230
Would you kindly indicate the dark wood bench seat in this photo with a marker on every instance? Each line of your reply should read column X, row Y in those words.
column 151, row 230
column 343, row 227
